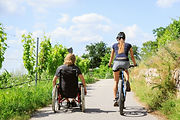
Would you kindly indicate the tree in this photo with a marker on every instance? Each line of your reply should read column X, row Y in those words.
column 29, row 53
column 136, row 52
column 158, row 32
column 44, row 54
column 170, row 33
column 106, row 57
column 149, row 48
column 95, row 52
column 83, row 64
column 56, row 58
column 3, row 45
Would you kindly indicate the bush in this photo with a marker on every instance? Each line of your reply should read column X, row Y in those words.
column 89, row 78
column 103, row 72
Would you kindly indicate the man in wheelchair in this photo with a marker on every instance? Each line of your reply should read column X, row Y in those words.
column 68, row 74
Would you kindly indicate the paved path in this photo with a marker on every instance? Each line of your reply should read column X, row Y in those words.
column 99, row 106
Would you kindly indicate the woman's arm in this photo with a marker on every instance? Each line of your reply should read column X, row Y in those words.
column 83, row 82
column 132, row 56
column 111, row 58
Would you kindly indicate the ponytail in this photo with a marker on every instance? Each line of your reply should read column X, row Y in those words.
column 121, row 47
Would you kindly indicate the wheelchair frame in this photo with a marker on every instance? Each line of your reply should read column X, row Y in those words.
column 57, row 99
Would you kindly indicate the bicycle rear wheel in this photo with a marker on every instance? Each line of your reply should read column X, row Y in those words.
column 121, row 98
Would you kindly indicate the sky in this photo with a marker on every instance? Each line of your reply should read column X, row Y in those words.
column 77, row 23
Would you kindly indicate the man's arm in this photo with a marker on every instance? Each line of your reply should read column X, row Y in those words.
column 83, row 82
column 54, row 80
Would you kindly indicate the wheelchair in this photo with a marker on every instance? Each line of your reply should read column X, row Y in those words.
column 73, row 89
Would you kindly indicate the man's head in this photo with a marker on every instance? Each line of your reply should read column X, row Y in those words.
column 69, row 59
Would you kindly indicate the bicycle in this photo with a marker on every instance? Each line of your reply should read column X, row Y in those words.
column 121, row 92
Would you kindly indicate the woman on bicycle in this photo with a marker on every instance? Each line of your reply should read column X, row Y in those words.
column 120, row 50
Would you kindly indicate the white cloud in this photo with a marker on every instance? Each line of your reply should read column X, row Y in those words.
column 41, row 6
column 59, row 31
column 90, row 38
column 12, row 6
column 37, row 33
column 105, row 28
column 63, row 19
column 137, row 36
column 90, row 18
column 11, row 41
column 131, row 31
column 86, row 28
column 9, row 28
column 19, row 32
column 166, row 3
column 40, row 26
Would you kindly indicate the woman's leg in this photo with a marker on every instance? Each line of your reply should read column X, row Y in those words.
column 116, row 81
column 126, row 75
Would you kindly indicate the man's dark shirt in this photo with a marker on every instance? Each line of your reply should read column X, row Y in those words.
column 68, row 76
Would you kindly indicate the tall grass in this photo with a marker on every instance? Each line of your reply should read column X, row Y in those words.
column 21, row 101
column 160, row 95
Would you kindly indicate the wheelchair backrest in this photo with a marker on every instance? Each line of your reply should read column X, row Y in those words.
column 69, row 82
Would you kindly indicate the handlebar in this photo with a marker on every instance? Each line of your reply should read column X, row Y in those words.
column 133, row 66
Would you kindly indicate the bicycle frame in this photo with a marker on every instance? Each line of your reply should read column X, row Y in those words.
column 121, row 86
column 121, row 91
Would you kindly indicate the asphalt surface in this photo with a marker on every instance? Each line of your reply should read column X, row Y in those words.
column 99, row 106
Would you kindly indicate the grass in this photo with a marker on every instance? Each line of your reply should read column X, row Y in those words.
column 160, row 95
column 20, row 102
column 175, row 114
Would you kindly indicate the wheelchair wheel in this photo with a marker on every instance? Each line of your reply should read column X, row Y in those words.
column 82, row 105
column 55, row 105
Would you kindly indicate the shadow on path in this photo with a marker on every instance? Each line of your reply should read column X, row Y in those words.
column 45, row 113
column 92, row 110
column 135, row 111
column 129, row 111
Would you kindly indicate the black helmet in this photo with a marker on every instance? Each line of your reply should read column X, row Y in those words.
column 121, row 35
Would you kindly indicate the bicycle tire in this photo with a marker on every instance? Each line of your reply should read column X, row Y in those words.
column 121, row 98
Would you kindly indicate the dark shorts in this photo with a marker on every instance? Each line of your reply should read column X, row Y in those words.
column 120, row 64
